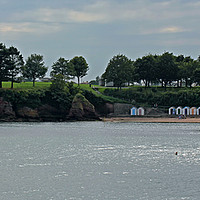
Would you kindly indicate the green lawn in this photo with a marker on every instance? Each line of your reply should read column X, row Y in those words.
column 27, row 85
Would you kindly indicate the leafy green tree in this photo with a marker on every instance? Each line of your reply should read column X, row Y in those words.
column 15, row 62
column 60, row 93
column 196, row 76
column 119, row 70
column 80, row 67
column 58, row 82
column 64, row 67
column 34, row 68
column 3, row 64
column 167, row 70
column 187, row 69
column 145, row 69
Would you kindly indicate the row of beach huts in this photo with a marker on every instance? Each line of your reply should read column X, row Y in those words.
column 184, row 111
column 172, row 111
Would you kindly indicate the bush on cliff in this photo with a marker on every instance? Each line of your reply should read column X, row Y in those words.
column 178, row 97
column 19, row 98
column 61, row 98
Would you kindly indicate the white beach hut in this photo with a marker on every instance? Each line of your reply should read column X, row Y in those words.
column 140, row 111
column 198, row 111
column 134, row 111
column 193, row 111
column 179, row 110
column 186, row 110
column 172, row 111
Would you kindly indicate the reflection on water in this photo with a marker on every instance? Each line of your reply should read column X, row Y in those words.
column 98, row 160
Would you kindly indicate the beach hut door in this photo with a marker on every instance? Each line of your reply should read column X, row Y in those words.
column 186, row 112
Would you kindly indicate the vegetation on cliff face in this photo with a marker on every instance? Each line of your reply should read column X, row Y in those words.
column 56, row 101
column 151, row 96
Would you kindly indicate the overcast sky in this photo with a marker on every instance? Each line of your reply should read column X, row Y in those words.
column 100, row 29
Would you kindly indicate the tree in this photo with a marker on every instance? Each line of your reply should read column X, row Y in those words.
column 80, row 67
column 15, row 62
column 63, row 67
column 3, row 64
column 58, row 82
column 34, row 68
column 187, row 69
column 167, row 68
column 119, row 70
column 196, row 76
column 145, row 69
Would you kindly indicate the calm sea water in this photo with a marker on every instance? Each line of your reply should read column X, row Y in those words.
column 99, row 161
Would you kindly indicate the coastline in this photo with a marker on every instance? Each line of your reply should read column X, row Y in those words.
column 152, row 119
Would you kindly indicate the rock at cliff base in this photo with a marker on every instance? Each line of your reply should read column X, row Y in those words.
column 82, row 109
column 6, row 110
column 27, row 112
column 50, row 113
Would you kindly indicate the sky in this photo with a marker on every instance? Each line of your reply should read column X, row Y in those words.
column 100, row 29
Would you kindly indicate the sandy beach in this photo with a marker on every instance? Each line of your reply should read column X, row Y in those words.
column 152, row 119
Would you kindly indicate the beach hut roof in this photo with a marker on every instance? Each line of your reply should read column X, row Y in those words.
column 133, row 108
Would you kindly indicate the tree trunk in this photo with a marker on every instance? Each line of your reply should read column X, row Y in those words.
column 181, row 83
column 12, row 84
column 12, row 81
column 78, row 80
column 186, row 82
column 178, row 83
column 162, row 83
column 0, row 84
column 165, row 83
column 33, row 82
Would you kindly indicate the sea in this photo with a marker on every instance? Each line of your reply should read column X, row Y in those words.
column 99, row 161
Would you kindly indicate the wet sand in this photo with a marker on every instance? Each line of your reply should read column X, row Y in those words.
column 152, row 119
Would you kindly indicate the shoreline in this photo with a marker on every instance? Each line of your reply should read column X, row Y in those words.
column 152, row 119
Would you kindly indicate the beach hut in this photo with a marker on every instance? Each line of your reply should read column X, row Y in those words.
column 172, row 111
column 140, row 111
column 198, row 111
column 193, row 111
column 134, row 111
column 179, row 110
column 186, row 110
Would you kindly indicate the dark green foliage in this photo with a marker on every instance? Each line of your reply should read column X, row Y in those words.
column 120, row 70
column 58, row 82
column 60, row 94
column 80, row 67
column 64, row 67
column 11, row 62
column 146, row 69
column 167, row 68
column 177, row 97
column 34, row 68
column 97, row 101
column 60, row 98
column 93, row 99
column 15, row 63
column 3, row 64
column 21, row 98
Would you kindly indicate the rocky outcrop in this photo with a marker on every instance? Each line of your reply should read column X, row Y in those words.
column 82, row 109
column 27, row 113
column 50, row 113
column 6, row 110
